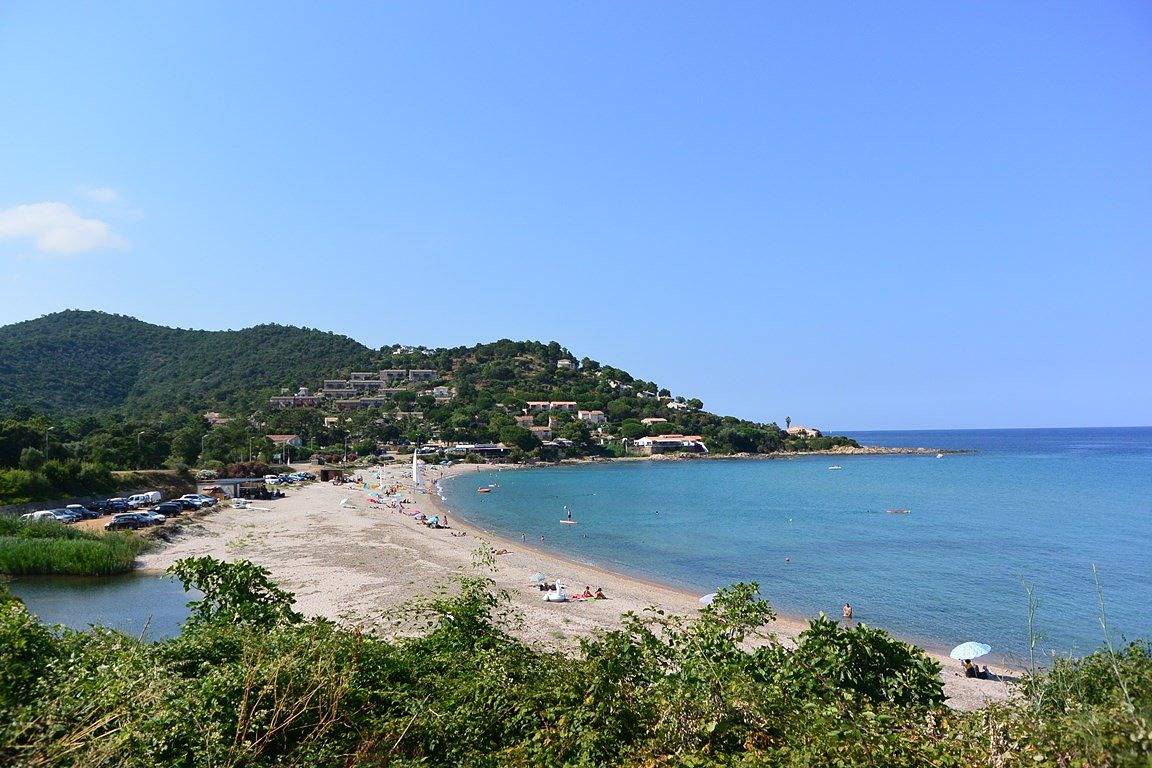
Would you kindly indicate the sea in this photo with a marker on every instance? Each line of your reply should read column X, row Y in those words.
column 1035, row 541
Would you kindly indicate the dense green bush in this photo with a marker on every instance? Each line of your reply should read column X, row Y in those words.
column 52, row 480
column 257, row 686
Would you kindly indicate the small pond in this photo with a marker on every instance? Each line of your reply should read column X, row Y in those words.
column 145, row 605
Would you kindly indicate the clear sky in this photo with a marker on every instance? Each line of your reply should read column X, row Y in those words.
column 858, row 215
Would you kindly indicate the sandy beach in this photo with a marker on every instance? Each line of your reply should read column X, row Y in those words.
column 352, row 560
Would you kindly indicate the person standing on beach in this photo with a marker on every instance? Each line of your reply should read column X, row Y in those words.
column 847, row 612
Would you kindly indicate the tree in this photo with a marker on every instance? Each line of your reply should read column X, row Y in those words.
column 234, row 593
column 31, row 458
column 632, row 430
column 519, row 437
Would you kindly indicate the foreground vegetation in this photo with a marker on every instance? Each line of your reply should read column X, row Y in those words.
column 249, row 682
column 51, row 548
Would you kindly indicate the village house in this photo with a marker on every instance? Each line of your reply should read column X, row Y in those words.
column 293, row 440
column 215, row 419
column 538, row 405
column 541, row 433
column 653, row 420
column 592, row 417
column 302, row 399
column 524, row 421
column 565, row 364
column 803, row 432
column 671, row 444
column 562, row 405
column 442, row 393
column 422, row 374
column 676, row 406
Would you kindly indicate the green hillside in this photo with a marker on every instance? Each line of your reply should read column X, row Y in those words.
column 82, row 393
column 77, row 362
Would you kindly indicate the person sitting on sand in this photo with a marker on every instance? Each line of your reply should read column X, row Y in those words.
column 599, row 594
column 970, row 669
column 587, row 592
column 847, row 611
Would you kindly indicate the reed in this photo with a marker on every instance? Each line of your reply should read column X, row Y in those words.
column 31, row 549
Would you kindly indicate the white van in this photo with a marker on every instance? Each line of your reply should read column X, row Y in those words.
column 144, row 499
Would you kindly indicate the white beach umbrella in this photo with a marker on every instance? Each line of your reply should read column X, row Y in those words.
column 970, row 650
column 537, row 578
column 708, row 598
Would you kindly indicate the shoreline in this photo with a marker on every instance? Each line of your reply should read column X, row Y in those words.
column 351, row 560
column 791, row 623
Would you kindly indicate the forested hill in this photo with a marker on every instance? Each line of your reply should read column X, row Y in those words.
column 76, row 362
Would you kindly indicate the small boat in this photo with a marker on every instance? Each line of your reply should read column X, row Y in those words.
column 898, row 511
column 835, row 466
column 483, row 490
column 939, row 455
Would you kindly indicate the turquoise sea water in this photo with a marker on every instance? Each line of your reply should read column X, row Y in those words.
column 1035, row 506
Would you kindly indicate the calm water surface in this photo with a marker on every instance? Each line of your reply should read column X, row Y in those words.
column 138, row 604
column 1037, row 507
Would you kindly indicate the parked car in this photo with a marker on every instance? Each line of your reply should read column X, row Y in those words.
column 65, row 515
column 153, row 517
column 44, row 514
column 199, row 499
column 127, row 521
column 103, row 507
column 168, row 508
column 272, row 479
column 82, row 512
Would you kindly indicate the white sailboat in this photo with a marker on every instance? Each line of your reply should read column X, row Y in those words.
column 417, row 471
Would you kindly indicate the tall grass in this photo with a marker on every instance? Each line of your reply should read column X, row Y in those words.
column 49, row 548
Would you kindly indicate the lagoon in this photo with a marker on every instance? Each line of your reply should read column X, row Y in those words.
column 147, row 605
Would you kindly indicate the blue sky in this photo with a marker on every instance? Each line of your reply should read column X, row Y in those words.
column 910, row 215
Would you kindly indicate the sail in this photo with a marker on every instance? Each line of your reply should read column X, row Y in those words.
column 417, row 473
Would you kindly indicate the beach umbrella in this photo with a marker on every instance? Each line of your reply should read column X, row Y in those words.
column 538, row 578
column 708, row 598
column 970, row 650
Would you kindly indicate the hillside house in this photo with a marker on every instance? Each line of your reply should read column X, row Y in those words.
column 302, row 399
column 592, row 417
column 671, row 444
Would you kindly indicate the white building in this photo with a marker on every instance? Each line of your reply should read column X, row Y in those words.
column 671, row 443
column 592, row 417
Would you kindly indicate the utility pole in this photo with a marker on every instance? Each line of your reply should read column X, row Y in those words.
column 50, row 429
